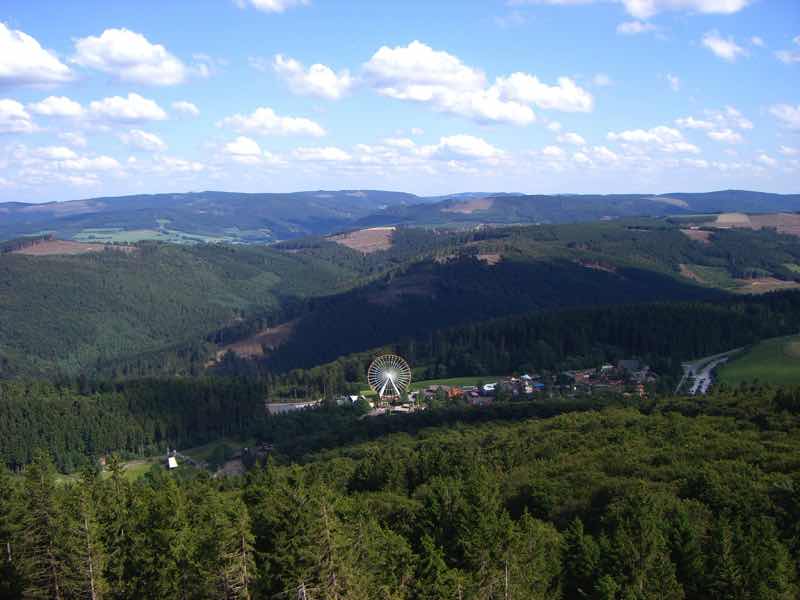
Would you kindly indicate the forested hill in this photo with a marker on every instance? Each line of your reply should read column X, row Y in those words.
column 268, row 217
column 156, row 308
column 572, row 208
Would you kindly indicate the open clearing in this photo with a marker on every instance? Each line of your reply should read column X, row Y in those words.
column 253, row 347
column 53, row 247
column 771, row 361
column 788, row 223
column 366, row 240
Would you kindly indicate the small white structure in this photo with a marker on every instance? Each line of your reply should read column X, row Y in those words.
column 172, row 462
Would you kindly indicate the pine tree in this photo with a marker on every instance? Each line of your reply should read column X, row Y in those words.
column 237, row 554
column 43, row 561
column 10, row 579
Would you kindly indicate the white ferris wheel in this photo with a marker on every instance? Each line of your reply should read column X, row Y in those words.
column 389, row 376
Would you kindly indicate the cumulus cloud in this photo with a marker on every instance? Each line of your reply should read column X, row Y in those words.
column 131, row 109
column 572, row 138
column 23, row 61
column 318, row 80
column 665, row 139
column 635, row 27
column 322, row 154
column 57, row 106
column 757, row 41
column 185, row 108
column 14, row 118
column 553, row 152
column 692, row 123
column 143, row 140
column 644, row 9
column 243, row 150
column 725, row 48
column 271, row 6
column 129, row 56
column 55, row 153
column 765, row 159
column 419, row 73
column 787, row 114
column 728, row 136
column 461, row 146
column 264, row 121
column 789, row 151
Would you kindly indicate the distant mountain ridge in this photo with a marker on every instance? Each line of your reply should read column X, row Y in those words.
column 268, row 217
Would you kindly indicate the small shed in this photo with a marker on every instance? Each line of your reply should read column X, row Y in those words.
column 172, row 462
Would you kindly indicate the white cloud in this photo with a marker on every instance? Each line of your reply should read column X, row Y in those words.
column 786, row 113
column 83, row 163
column 419, row 73
column 460, row 147
column 73, row 139
column 581, row 158
column 790, row 56
column 57, row 106
column 143, row 140
column 14, row 118
column 692, row 123
column 271, row 6
column 674, row 82
column 726, row 49
column 566, row 96
column 604, row 154
column 321, row 154
column 757, row 41
column 601, row 80
column 24, row 62
column 318, row 80
column 264, row 121
column 665, row 139
column 658, row 135
column 728, row 136
column 553, row 152
column 417, row 131
column 246, row 151
column 571, row 138
column 55, row 153
column 789, row 151
column 185, row 108
column 554, row 126
column 644, row 9
column 767, row 160
column 129, row 56
column 131, row 109
column 635, row 27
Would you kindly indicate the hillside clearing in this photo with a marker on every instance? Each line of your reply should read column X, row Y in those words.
column 366, row 240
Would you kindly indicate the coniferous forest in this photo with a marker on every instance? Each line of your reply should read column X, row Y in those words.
column 675, row 498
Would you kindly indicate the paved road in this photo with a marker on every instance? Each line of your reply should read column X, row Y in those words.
column 699, row 373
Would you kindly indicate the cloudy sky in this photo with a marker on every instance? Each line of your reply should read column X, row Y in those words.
column 538, row 96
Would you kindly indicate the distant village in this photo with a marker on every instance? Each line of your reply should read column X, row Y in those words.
column 627, row 377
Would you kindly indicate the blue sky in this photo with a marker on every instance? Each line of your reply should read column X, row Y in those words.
column 538, row 96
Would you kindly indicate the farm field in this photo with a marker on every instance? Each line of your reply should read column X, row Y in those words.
column 774, row 361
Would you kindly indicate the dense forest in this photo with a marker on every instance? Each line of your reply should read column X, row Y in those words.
column 162, row 309
column 680, row 498
column 662, row 334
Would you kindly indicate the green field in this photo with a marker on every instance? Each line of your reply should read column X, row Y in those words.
column 131, row 236
column 772, row 361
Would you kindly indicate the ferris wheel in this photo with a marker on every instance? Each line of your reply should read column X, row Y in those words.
column 389, row 376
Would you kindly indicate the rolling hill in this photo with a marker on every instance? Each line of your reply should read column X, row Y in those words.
column 159, row 308
column 258, row 218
